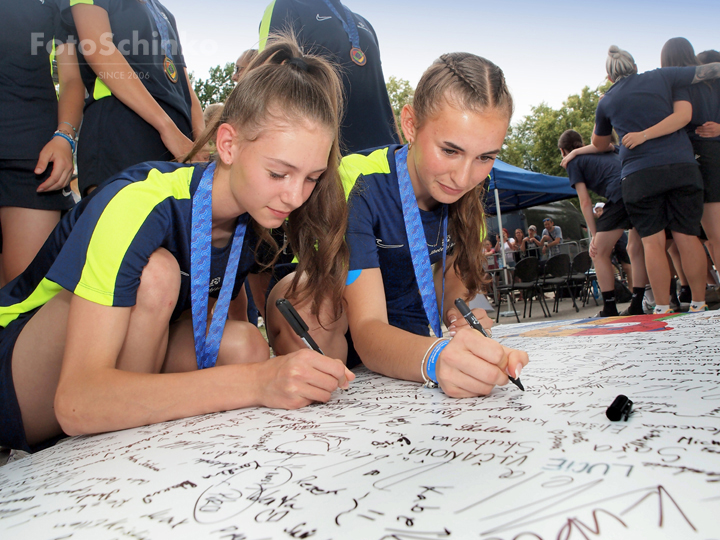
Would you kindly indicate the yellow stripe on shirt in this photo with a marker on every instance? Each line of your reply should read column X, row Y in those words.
column 119, row 224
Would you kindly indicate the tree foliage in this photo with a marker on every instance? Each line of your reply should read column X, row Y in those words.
column 401, row 93
column 217, row 87
column 532, row 143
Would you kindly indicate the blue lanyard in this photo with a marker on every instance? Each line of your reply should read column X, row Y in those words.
column 206, row 347
column 348, row 24
column 418, row 244
column 162, row 26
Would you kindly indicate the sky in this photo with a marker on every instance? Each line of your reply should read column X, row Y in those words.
column 548, row 49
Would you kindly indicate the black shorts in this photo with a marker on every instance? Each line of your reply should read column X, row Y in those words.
column 12, row 432
column 19, row 183
column 114, row 138
column 614, row 217
column 708, row 157
column 620, row 254
column 668, row 196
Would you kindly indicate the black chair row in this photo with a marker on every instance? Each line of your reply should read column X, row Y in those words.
column 558, row 275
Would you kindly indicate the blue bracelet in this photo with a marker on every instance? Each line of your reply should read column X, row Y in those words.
column 67, row 138
column 432, row 358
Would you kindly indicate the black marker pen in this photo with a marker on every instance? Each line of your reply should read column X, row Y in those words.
column 472, row 321
column 297, row 324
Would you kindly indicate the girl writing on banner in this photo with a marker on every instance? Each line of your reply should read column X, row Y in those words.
column 93, row 338
column 431, row 187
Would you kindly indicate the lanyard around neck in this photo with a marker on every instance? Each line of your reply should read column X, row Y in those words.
column 162, row 27
column 350, row 27
column 418, row 244
column 207, row 346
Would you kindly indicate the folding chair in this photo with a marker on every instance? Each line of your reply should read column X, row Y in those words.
column 583, row 275
column 525, row 278
column 558, row 275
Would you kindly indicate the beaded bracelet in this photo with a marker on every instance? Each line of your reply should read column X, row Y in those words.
column 433, row 357
column 71, row 126
column 67, row 138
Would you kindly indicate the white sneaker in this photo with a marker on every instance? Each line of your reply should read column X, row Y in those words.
column 648, row 308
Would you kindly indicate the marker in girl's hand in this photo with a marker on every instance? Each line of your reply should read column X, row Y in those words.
column 297, row 324
column 472, row 321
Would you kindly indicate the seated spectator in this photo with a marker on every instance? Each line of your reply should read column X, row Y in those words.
column 551, row 237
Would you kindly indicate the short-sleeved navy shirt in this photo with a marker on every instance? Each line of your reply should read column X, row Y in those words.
column 377, row 238
column 28, row 102
column 705, row 100
column 640, row 101
column 369, row 121
column 99, row 248
column 135, row 35
column 599, row 172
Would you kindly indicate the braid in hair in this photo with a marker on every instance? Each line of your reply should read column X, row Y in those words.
column 468, row 82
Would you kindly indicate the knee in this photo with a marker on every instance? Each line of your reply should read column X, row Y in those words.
column 159, row 283
column 242, row 343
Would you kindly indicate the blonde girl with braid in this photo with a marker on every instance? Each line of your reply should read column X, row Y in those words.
column 419, row 205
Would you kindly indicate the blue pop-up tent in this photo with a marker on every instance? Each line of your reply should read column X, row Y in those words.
column 512, row 188
column 516, row 188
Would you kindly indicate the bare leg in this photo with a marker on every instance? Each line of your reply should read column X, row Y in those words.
column 241, row 343
column 627, row 269
column 676, row 262
column 238, row 307
column 604, row 243
column 258, row 285
column 636, row 252
column 711, row 223
column 38, row 353
column 657, row 267
column 693, row 259
column 24, row 231
column 330, row 335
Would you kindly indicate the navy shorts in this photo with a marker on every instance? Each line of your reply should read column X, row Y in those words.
column 19, row 183
column 668, row 196
column 708, row 157
column 114, row 138
column 12, row 431
column 614, row 217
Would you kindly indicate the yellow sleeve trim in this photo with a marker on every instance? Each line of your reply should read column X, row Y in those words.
column 42, row 294
column 265, row 25
column 76, row 2
column 118, row 226
column 355, row 165
column 101, row 90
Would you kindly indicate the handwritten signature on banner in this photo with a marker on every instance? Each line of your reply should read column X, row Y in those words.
column 390, row 459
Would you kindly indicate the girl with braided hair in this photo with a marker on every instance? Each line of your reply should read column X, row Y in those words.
column 419, row 205
column 107, row 328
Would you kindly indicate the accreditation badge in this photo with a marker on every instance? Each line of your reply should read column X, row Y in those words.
column 170, row 70
column 357, row 56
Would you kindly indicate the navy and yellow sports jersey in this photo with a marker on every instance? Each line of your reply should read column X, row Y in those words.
column 99, row 249
column 369, row 121
column 376, row 234
column 135, row 35
column 28, row 102
column 599, row 172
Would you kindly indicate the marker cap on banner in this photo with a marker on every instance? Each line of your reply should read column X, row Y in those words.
column 620, row 408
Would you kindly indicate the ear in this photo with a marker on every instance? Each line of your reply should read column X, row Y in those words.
column 407, row 123
column 226, row 143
